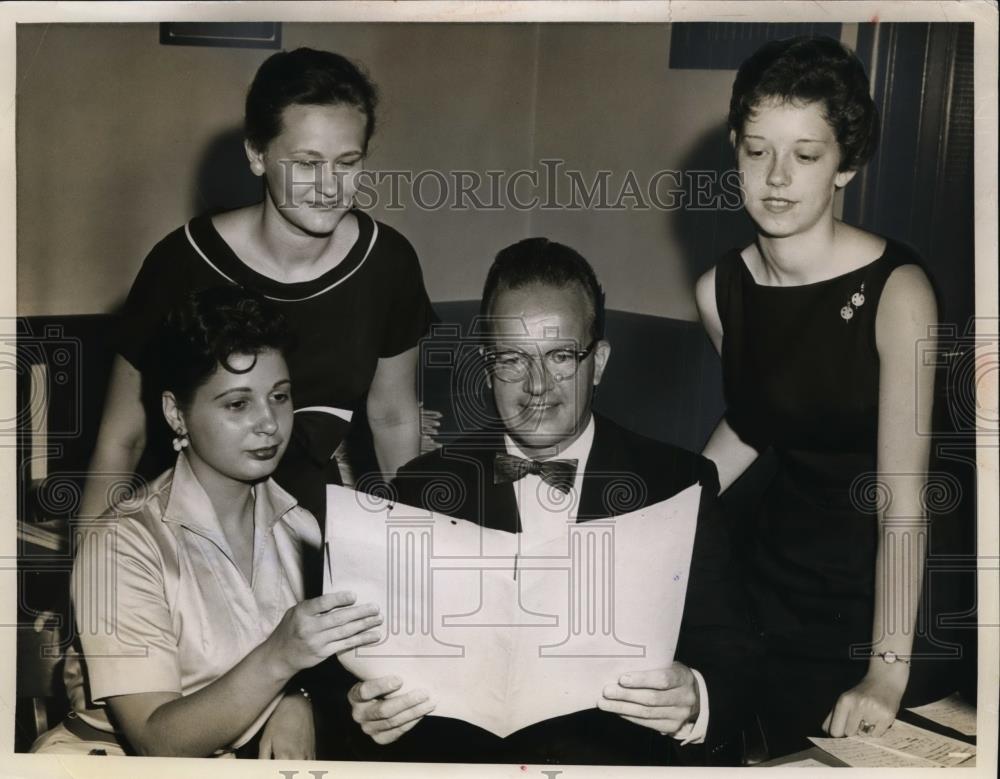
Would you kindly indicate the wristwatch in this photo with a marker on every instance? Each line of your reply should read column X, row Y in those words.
column 891, row 657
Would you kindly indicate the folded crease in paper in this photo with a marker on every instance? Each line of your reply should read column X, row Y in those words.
column 504, row 633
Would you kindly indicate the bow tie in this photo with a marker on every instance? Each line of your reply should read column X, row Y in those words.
column 559, row 473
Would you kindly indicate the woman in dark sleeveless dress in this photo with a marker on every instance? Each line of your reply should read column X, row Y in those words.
column 818, row 325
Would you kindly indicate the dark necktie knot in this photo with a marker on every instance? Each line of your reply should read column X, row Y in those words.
column 561, row 474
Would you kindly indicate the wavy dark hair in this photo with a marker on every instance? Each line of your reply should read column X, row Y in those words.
column 807, row 70
column 305, row 77
column 202, row 332
column 541, row 261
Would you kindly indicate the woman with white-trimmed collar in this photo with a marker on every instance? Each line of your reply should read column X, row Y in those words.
column 351, row 287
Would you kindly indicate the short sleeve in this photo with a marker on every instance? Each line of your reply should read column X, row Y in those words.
column 161, row 281
column 410, row 313
column 124, row 623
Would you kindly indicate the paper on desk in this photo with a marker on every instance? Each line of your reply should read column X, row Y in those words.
column 859, row 753
column 952, row 712
column 902, row 745
column 910, row 740
column 504, row 652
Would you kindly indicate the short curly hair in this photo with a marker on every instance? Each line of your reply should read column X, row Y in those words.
column 807, row 70
column 202, row 332
column 305, row 77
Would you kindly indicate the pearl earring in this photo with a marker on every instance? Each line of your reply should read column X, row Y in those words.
column 180, row 441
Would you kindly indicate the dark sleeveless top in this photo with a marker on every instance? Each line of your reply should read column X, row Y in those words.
column 801, row 373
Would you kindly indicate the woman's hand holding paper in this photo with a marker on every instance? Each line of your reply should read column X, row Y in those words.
column 319, row 627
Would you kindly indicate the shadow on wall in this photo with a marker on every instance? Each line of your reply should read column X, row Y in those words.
column 711, row 223
column 711, row 220
column 224, row 180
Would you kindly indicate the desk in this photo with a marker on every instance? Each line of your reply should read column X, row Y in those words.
column 814, row 753
column 820, row 756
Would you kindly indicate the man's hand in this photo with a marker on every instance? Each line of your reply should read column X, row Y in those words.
column 386, row 719
column 289, row 733
column 664, row 699
column 430, row 425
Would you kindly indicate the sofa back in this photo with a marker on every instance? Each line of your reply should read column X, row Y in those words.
column 663, row 380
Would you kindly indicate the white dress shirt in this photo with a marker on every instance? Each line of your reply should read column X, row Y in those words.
column 545, row 513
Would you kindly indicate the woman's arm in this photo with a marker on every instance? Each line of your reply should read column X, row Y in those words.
column 120, row 438
column 290, row 732
column 196, row 725
column 907, row 311
column 731, row 455
column 708, row 308
column 393, row 413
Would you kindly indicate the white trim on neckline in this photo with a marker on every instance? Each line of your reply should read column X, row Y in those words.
column 343, row 413
column 213, row 266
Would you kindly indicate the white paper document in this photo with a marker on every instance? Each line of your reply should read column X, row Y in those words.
column 902, row 745
column 953, row 712
column 501, row 634
column 858, row 753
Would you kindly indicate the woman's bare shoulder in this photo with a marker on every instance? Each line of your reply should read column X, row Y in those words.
column 858, row 247
column 708, row 309
column 907, row 311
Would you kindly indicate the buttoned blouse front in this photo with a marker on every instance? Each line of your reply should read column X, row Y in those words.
column 176, row 612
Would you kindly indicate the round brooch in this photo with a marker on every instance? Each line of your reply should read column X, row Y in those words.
column 857, row 300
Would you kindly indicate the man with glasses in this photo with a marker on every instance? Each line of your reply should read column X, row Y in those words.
column 545, row 355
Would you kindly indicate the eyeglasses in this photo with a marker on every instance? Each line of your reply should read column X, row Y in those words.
column 513, row 365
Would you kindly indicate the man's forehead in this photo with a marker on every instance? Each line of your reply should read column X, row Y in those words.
column 547, row 326
column 540, row 311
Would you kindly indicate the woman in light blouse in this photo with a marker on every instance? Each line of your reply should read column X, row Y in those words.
column 195, row 649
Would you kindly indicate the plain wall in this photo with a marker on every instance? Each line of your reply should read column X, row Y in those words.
column 608, row 101
column 121, row 139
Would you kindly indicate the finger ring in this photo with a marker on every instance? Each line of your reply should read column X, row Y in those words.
column 866, row 727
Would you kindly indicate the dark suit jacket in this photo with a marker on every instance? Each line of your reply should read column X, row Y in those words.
column 625, row 472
